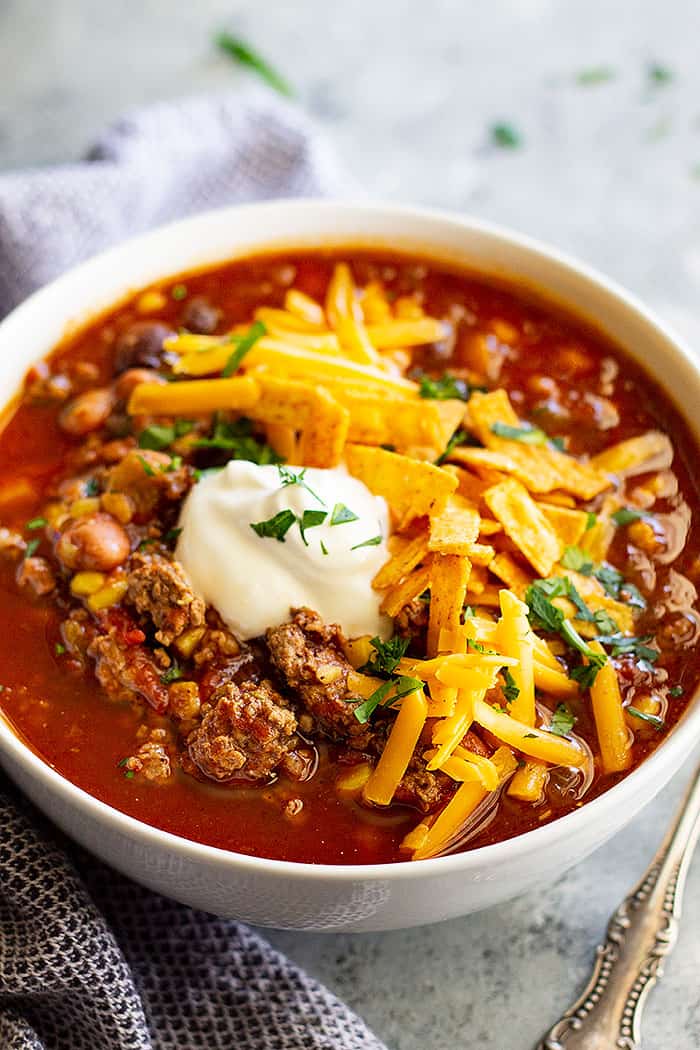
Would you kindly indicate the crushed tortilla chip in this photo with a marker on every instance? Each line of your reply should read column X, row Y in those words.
column 411, row 488
column 402, row 562
column 650, row 451
column 449, row 575
column 525, row 524
column 456, row 529
column 569, row 525
column 412, row 586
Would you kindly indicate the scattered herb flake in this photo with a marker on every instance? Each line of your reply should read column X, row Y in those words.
column 591, row 520
column 505, row 135
column 374, row 541
column 310, row 519
column 244, row 343
column 276, row 527
column 562, row 721
column 676, row 691
column 622, row 645
column 172, row 534
column 59, row 649
column 529, row 435
column 445, row 388
column 577, row 560
column 122, row 762
column 626, row 515
column 595, row 75
column 244, row 54
column 36, row 523
column 659, row 74
column 32, row 547
column 324, row 549
column 289, row 477
column 157, row 437
column 510, row 689
column 341, row 514
column 237, row 438
column 458, row 438
column 147, row 468
column 129, row 774
column 544, row 614
column 386, row 656
column 403, row 686
column 653, row 720
column 178, row 292
column 172, row 674
column 183, row 426
column 92, row 487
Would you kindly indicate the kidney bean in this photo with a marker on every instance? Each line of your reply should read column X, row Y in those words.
column 97, row 543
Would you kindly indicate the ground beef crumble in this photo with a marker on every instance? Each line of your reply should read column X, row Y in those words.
column 157, row 587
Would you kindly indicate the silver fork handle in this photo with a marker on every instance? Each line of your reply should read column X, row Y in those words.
column 640, row 934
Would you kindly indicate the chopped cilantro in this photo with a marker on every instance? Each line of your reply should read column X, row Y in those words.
column 585, row 674
column 386, row 656
column 172, row 534
column 122, row 762
column 562, row 721
column 289, row 477
column 309, row 520
column 526, row 736
column 595, row 75
column 342, row 514
column 403, row 686
column 157, row 436
column 676, row 691
column 591, row 519
column 458, row 438
column 92, row 487
column 172, row 674
column 659, row 74
column 622, row 645
column 276, row 527
column 178, row 292
column 653, row 720
column 244, row 54
column 544, row 614
column 59, row 649
column 577, row 560
column 444, row 388
column 505, row 135
column 244, row 343
column 626, row 515
column 529, row 435
column 510, row 689
column 36, row 523
column 324, row 549
column 237, row 438
column 374, row 541
column 198, row 473
column 183, row 426
column 147, row 468
column 129, row 774
column 32, row 547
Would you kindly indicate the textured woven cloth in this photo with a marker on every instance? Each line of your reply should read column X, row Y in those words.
column 89, row 960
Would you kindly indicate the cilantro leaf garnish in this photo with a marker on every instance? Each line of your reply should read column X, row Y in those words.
column 624, row 645
column 244, row 343
column 59, row 648
column 577, row 560
column 676, row 691
column 289, row 477
column 309, row 520
column 178, row 292
column 562, row 721
column 591, row 520
column 373, row 541
column 92, row 487
column 529, row 435
column 276, row 527
column 403, row 686
column 545, row 615
column 324, row 549
column 237, row 438
column 147, row 468
column 386, row 656
column 653, row 720
column 36, row 523
column 157, row 436
column 32, row 547
column 505, row 135
column 342, row 514
column 659, row 74
column 444, row 388
column 510, row 689
column 172, row 534
column 458, row 438
column 244, row 54
column 595, row 75
column 626, row 515
column 172, row 674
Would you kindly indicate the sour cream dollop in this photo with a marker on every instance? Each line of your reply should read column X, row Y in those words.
column 252, row 580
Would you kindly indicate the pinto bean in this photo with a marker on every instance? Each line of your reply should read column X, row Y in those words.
column 97, row 543
column 86, row 412
column 200, row 316
column 133, row 377
column 141, row 345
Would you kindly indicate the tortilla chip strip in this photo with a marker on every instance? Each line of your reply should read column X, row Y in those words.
column 323, row 422
column 540, row 468
column 650, row 451
column 449, row 575
column 378, row 419
column 596, row 541
column 411, row 487
column 525, row 524
column 403, row 562
column 569, row 525
column 456, row 530
column 513, row 575
column 396, row 598
column 239, row 394
column 481, row 554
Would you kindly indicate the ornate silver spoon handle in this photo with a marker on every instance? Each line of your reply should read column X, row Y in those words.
column 641, row 933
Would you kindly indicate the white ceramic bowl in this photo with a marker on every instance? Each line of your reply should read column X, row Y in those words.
column 325, row 897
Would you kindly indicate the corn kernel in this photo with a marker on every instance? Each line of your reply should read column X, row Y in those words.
column 184, row 699
column 80, row 508
column 151, row 301
column 189, row 640
column 119, row 505
column 84, row 583
column 643, row 536
column 56, row 514
column 358, row 651
column 328, row 673
column 353, row 779
column 107, row 596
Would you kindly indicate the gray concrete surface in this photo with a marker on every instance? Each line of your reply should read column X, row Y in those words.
column 407, row 91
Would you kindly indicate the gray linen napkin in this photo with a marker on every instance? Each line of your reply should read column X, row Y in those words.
column 88, row 959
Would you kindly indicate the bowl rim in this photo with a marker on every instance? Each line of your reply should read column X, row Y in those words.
column 670, row 752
